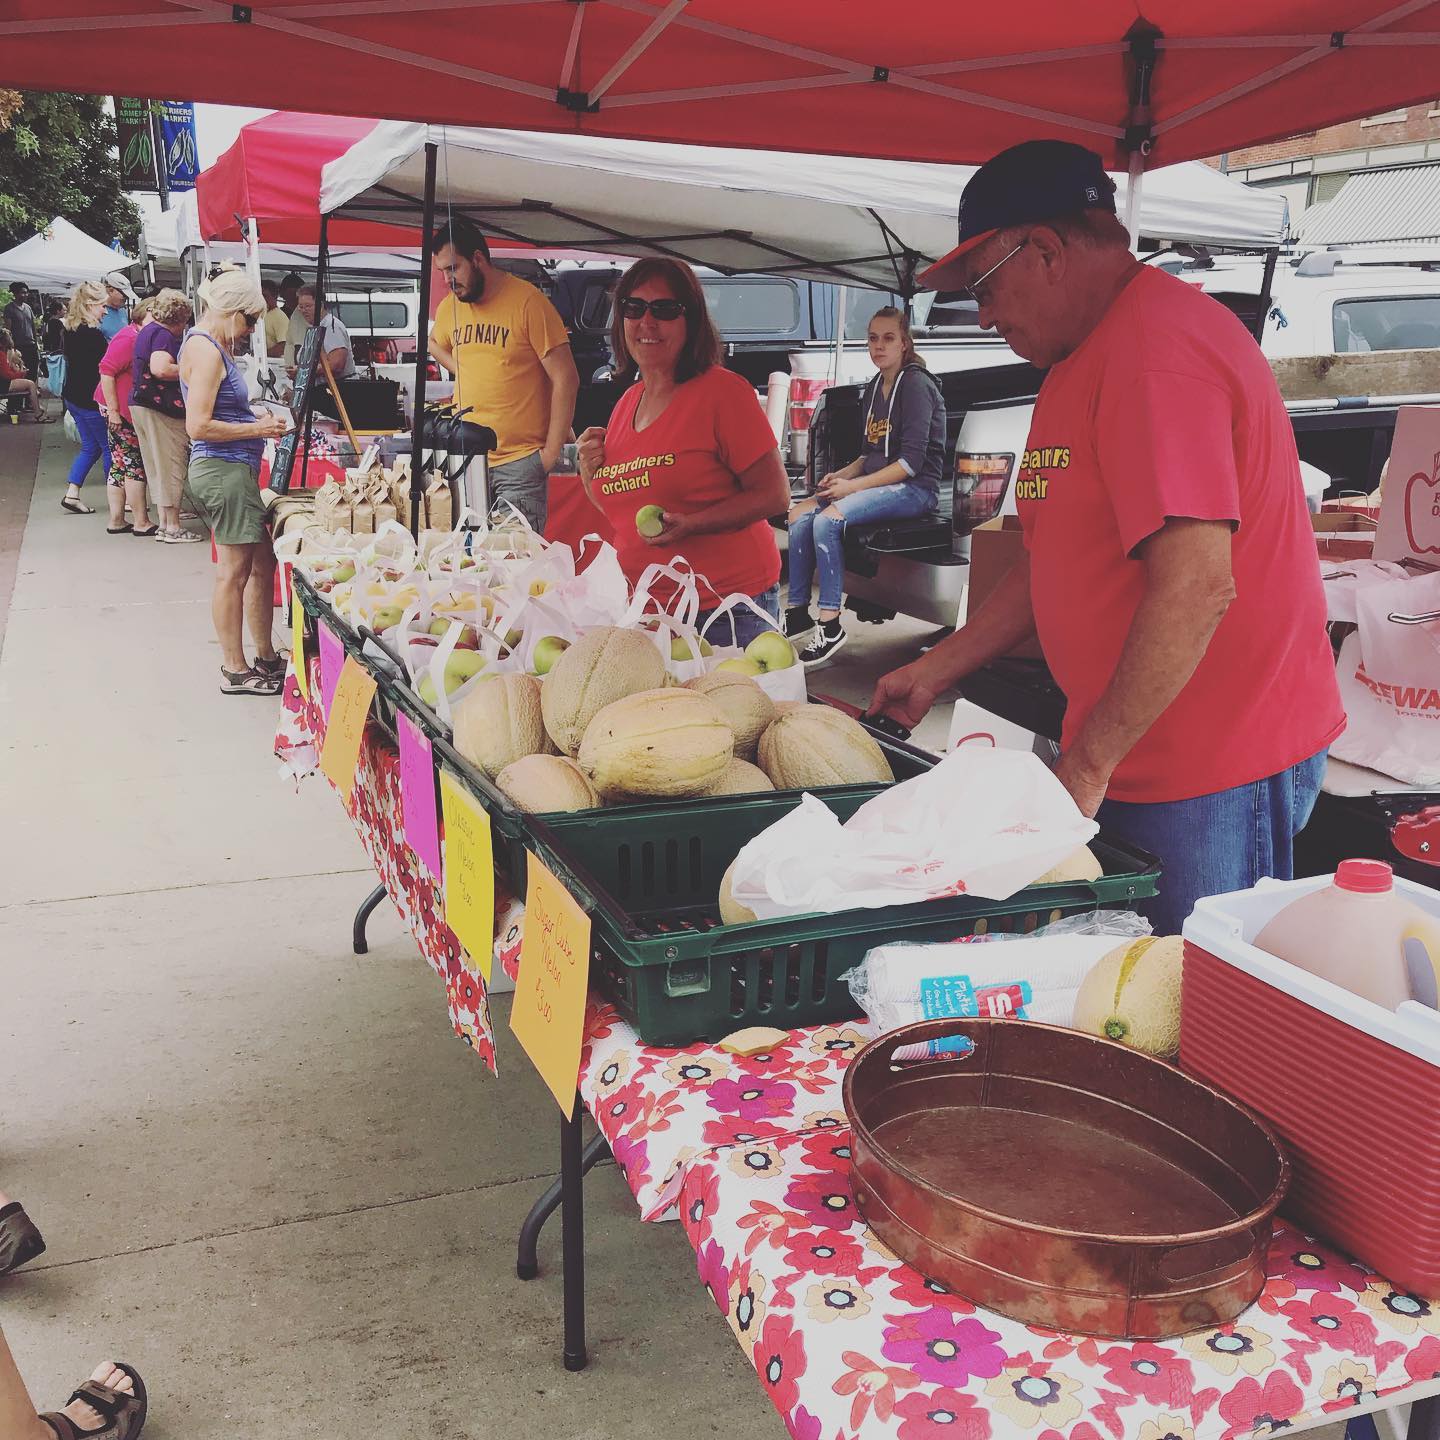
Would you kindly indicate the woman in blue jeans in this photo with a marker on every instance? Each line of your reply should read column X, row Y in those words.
column 895, row 477
column 85, row 345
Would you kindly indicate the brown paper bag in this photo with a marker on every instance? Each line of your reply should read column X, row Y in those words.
column 381, row 503
column 332, row 506
column 362, row 515
column 439, row 505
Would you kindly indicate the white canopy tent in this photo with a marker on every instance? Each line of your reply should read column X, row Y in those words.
column 839, row 218
column 59, row 257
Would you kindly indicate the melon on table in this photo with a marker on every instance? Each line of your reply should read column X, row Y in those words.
column 739, row 777
column 743, row 703
column 539, row 784
column 1132, row 995
column 731, row 911
column 805, row 749
column 603, row 666
column 499, row 722
column 664, row 742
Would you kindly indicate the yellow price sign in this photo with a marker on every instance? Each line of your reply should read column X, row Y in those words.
column 297, row 642
column 344, row 730
column 469, row 873
column 548, row 1014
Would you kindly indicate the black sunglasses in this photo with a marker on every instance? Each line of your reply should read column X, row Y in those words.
column 633, row 308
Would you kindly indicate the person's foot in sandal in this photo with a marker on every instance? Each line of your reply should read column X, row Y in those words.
column 248, row 682
column 110, row 1405
column 76, row 506
column 20, row 1241
column 272, row 668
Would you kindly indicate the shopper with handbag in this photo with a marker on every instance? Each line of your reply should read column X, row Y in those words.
column 158, row 410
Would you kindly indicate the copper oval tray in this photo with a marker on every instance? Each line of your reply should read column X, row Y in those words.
column 1064, row 1180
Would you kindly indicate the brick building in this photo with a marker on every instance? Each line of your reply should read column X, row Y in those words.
column 1310, row 168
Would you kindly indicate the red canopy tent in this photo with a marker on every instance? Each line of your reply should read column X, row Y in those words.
column 929, row 80
column 271, row 175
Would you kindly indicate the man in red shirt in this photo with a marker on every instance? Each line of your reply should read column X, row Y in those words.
column 1170, row 568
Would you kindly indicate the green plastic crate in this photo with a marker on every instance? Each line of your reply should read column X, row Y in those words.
column 660, row 953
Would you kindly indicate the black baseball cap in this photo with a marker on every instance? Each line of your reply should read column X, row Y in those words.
column 1024, row 185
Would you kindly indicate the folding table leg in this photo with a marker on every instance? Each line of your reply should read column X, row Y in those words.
column 572, row 1221
column 362, row 918
column 1425, row 1419
column 527, row 1261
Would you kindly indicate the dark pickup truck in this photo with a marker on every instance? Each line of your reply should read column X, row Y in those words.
column 919, row 567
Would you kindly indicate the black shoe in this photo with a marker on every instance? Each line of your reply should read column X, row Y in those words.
column 798, row 621
column 828, row 638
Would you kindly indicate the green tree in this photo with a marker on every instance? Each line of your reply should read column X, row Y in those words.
column 57, row 154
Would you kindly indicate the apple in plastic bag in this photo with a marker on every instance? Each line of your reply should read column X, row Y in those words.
column 771, row 651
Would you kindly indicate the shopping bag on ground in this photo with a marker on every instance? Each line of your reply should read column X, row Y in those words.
column 983, row 822
column 1389, row 673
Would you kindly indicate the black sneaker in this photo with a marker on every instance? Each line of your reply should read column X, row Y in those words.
column 798, row 621
column 829, row 637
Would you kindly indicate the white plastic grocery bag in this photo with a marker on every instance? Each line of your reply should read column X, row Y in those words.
column 786, row 684
column 983, row 822
column 1389, row 673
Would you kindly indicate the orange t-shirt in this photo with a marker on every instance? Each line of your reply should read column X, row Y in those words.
column 687, row 459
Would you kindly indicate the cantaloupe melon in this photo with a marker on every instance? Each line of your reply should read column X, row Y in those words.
column 739, row 777
column 601, row 667
column 542, row 783
column 499, row 723
column 1133, row 995
column 1079, row 865
column 731, row 911
column 659, row 742
column 743, row 703
column 817, row 746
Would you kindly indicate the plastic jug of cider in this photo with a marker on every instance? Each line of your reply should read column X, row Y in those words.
column 1353, row 932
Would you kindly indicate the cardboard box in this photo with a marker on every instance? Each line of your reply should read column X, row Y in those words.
column 1344, row 534
column 994, row 548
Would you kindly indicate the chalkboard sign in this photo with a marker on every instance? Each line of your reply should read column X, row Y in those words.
column 306, row 360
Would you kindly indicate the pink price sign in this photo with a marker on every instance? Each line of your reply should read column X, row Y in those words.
column 417, row 792
column 332, row 662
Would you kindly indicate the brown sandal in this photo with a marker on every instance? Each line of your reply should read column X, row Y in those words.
column 124, row 1414
column 20, row 1241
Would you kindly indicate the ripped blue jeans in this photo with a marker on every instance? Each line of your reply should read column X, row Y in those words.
column 815, row 536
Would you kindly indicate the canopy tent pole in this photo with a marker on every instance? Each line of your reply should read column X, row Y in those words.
column 258, row 347
column 1267, row 281
column 1143, row 45
column 422, row 342
column 1132, row 198
column 319, row 320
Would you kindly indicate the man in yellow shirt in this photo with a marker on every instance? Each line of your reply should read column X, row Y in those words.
column 277, row 322
column 506, row 345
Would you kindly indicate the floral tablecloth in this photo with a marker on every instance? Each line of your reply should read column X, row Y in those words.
column 848, row 1341
column 374, row 809
column 659, row 1109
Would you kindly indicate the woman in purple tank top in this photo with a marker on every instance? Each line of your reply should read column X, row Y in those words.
column 227, row 441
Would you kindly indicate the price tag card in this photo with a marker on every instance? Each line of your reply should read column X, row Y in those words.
column 469, row 873
column 548, row 1014
column 417, row 792
column 332, row 661
column 297, row 643
column 340, row 753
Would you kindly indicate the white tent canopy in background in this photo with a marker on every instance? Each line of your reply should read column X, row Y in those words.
column 825, row 217
column 59, row 257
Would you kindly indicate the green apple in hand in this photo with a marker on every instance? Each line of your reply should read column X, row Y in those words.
column 771, row 651
column 741, row 665
column 650, row 521
column 548, row 650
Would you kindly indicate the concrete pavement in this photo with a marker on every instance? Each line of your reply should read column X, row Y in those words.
column 268, row 1175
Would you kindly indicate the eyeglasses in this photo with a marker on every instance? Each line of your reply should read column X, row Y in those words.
column 634, row 308
column 251, row 320
column 973, row 290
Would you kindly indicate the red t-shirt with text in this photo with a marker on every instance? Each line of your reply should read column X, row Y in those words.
column 1167, row 409
column 686, row 459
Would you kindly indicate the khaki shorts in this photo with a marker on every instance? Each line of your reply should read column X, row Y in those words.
column 228, row 495
column 165, row 448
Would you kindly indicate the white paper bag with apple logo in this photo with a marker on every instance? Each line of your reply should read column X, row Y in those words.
column 779, row 681
column 1409, row 523
column 983, row 822
column 1389, row 674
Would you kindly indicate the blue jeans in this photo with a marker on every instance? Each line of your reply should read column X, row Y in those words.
column 94, row 443
column 1217, row 843
column 741, row 626
column 815, row 536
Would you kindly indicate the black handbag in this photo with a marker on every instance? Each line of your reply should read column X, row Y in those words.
column 162, row 396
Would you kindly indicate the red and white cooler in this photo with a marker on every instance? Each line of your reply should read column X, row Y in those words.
column 1351, row 1088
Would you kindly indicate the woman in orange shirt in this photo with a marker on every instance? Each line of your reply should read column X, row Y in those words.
column 688, row 452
